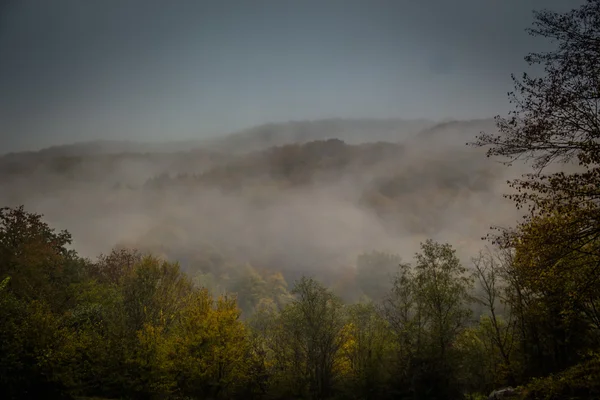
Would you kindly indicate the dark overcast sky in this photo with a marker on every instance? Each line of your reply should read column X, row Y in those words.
column 75, row 70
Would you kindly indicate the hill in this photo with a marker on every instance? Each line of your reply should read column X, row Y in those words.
column 353, row 131
column 260, row 137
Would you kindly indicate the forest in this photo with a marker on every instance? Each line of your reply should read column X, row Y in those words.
column 193, row 285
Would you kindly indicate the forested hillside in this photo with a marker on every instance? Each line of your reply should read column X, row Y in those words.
column 311, row 266
column 353, row 131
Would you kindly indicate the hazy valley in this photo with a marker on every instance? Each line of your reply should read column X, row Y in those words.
column 317, row 246
column 305, row 206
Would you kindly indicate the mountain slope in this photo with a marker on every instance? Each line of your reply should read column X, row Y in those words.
column 352, row 131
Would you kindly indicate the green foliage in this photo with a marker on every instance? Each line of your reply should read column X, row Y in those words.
column 211, row 348
column 427, row 309
column 311, row 327
column 577, row 383
column 366, row 352
column 137, row 327
column 256, row 290
column 34, row 256
column 154, row 292
column 442, row 293
column 33, row 348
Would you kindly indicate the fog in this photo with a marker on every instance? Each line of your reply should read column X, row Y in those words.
column 272, row 74
column 387, row 196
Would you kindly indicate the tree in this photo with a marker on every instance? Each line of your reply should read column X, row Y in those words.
column 34, row 346
column 117, row 265
column 442, row 295
column 427, row 309
column 367, row 350
column 35, row 256
column 309, row 336
column 154, row 292
column 555, row 272
column 496, row 330
column 443, row 292
column 556, row 120
column 403, row 312
column 212, row 355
